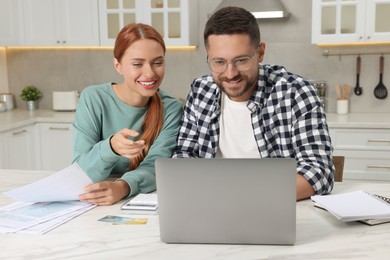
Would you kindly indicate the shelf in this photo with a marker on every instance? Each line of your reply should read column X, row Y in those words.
column 354, row 49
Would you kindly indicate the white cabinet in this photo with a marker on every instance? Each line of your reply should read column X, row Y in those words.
column 366, row 151
column 11, row 23
column 61, row 22
column 175, row 20
column 340, row 21
column 19, row 146
column 56, row 145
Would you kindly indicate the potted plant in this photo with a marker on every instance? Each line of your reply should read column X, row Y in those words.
column 31, row 94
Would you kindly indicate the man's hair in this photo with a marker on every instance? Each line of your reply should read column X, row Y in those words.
column 232, row 20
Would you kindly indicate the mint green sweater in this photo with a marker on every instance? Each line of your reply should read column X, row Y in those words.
column 99, row 115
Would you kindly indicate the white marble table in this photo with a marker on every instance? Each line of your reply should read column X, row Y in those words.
column 319, row 235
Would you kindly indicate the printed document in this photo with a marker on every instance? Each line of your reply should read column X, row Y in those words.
column 40, row 217
column 66, row 184
column 47, row 203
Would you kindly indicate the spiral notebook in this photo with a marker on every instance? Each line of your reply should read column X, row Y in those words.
column 372, row 222
column 356, row 206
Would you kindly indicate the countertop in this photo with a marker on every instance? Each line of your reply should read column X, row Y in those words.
column 19, row 117
column 319, row 234
column 359, row 120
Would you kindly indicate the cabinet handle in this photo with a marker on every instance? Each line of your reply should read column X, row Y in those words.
column 374, row 140
column 59, row 128
column 378, row 166
column 19, row 132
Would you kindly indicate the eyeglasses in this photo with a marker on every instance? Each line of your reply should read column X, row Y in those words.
column 240, row 63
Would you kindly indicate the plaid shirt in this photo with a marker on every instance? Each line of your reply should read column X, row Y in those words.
column 287, row 117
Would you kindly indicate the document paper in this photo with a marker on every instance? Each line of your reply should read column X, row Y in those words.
column 47, row 203
column 64, row 185
column 40, row 217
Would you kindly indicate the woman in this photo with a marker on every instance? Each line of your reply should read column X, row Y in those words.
column 120, row 129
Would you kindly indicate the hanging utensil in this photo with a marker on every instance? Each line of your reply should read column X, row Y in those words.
column 380, row 91
column 358, row 90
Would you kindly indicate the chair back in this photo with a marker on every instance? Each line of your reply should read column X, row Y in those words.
column 339, row 167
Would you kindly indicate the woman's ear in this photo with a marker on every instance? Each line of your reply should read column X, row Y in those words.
column 117, row 66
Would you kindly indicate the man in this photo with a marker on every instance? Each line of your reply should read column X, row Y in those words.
column 249, row 110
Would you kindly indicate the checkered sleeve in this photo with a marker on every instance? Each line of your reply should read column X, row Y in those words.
column 188, row 133
column 199, row 128
column 310, row 139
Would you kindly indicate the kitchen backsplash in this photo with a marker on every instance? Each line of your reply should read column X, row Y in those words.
column 288, row 43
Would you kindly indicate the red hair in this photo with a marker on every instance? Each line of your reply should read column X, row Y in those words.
column 153, row 120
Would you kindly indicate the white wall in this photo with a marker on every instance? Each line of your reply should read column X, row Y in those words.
column 3, row 71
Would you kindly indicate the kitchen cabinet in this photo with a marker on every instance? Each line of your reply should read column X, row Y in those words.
column 19, row 147
column 366, row 151
column 11, row 23
column 61, row 22
column 352, row 21
column 175, row 20
column 56, row 145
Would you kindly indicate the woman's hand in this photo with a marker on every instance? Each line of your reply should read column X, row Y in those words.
column 121, row 145
column 105, row 193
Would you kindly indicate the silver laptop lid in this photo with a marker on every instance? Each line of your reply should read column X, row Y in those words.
column 227, row 201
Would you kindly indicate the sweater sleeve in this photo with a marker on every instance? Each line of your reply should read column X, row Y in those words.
column 94, row 155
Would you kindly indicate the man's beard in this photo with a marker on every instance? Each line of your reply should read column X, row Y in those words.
column 236, row 92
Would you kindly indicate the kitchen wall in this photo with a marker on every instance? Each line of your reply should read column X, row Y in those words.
column 3, row 71
column 288, row 43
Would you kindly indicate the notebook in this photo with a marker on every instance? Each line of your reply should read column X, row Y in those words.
column 356, row 206
column 227, row 201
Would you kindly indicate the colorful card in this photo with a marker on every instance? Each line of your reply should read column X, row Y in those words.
column 118, row 220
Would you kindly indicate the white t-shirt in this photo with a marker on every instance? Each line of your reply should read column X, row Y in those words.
column 236, row 138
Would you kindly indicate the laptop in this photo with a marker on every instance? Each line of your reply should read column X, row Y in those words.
column 227, row 201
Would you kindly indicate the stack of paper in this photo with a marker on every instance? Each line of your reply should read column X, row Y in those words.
column 47, row 203
column 353, row 206
column 39, row 218
column 142, row 204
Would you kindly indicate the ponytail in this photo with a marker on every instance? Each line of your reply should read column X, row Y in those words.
column 151, row 127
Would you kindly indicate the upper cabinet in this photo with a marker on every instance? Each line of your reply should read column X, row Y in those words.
column 11, row 19
column 114, row 14
column 94, row 22
column 350, row 21
column 61, row 22
column 175, row 20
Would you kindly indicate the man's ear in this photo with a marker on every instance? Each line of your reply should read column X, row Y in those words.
column 261, row 51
